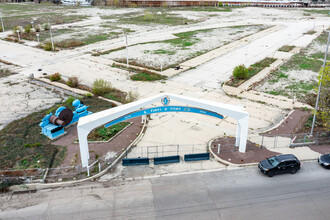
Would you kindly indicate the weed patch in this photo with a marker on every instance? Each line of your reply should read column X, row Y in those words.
column 147, row 77
column 104, row 134
column 23, row 146
column 286, row 48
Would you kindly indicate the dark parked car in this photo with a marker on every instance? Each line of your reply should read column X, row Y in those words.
column 324, row 161
column 284, row 163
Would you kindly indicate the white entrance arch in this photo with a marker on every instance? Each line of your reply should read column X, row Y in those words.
column 88, row 123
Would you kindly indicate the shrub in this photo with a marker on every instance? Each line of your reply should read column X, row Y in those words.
column 89, row 95
column 20, row 28
column 28, row 145
column 46, row 26
column 73, row 82
column 37, row 27
column 131, row 96
column 69, row 43
column 220, row 4
column 240, row 72
column 148, row 16
column 0, row 28
column 28, row 28
column 70, row 100
column 55, row 77
column 48, row 46
column 132, row 5
column 101, row 86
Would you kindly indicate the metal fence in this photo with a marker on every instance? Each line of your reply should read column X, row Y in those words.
column 290, row 140
column 166, row 150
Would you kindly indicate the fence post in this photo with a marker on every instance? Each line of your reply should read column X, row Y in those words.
column 99, row 167
column 218, row 148
column 262, row 140
column 317, row 138
column 147, row 151
column 275, row 141
column 177, row 149
column 79, row 172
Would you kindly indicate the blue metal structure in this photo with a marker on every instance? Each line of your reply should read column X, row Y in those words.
column 164, row 109
column 52, row 125
column 135, row 161
column 196, row 157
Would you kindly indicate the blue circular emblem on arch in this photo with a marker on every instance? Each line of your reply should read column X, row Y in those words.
column 165, row 100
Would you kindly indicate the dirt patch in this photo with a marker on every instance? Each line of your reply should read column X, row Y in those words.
column 292, row 124
column 322, row 149
column 254, row 153
column 98, row 150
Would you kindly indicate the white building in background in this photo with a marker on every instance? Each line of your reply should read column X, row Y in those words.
column 77, row 2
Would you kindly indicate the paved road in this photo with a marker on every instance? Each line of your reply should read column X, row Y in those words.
column 226, row 194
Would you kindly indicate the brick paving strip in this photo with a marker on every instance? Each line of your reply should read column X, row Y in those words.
column 115, row 146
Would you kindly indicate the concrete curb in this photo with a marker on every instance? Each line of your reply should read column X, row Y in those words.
column 74, row 90
column 224, row 161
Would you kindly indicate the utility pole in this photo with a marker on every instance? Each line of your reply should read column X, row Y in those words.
column 318, row 94
column 3, row 28
column 51, row 36
column 126, row 49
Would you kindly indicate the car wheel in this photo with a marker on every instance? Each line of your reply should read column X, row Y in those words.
column 293, row 171
column 270, row 174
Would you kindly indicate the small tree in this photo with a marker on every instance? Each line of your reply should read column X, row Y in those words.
column 28, row 28
column 101, row 87
column 240, row 72
column 131, row 96
column 324, row 101
column 46, row 26
column 55, row 77
column 148, row 16
column 73, row 82
column 48, row 46
column 37, row 27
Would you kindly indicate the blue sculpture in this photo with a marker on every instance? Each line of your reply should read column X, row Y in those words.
column 53, row 125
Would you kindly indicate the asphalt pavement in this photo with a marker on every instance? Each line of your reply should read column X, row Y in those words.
column 243, row 193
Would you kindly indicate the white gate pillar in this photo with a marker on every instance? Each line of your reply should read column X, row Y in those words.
column 243, row 125
column 83, row 142
column 238, row 134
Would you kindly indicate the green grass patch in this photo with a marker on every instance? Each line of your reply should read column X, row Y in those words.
column 160, row 51
column 147, row 77
column 323, row 12
column 5, row 72
column 104, row 134
column 151, row 17
column 252, row 70
column 302, row 61
column 55, row 18
column 208, row 9
column 186, row 39
column 23, row 146
column 286, row 48
column 301, row 86
column 310, row 32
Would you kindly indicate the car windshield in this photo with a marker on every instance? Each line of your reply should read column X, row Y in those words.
column 273, row 161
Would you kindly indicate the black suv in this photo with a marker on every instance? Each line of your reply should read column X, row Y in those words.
column 284, row 163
